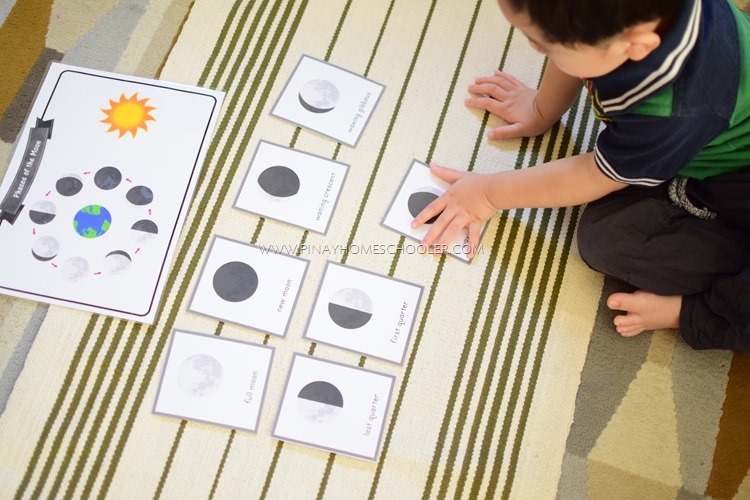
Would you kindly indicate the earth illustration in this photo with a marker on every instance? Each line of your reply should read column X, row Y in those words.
column 92, row 221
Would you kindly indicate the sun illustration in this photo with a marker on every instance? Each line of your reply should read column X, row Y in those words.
column 128, row 115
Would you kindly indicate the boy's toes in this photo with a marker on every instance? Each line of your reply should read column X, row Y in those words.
column 620, row 301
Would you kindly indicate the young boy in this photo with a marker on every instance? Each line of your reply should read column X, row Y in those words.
column 668, row 184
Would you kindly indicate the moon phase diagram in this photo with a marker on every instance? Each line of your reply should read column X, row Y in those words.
column 419, row 200
column 320, row 402
column 93, row 218
column 350, row 308
column 319, row 96
column 200, row 375
column 235, row 281
column 279, row 181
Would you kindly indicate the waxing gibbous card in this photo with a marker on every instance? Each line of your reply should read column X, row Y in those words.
column 328, row 99
column 98, row 188
column 292, row 186
column 214, row 380
column 364, row 312
column 418, row 189
column 248, row 285
column 334, row 407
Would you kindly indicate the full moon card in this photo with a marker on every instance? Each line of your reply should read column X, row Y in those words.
column 98, row 188
column 292, row 186
column 418, row 189
column 214, row 380
column 328, row 99
column 248, row 285
column 334, row 407
column 364, row 312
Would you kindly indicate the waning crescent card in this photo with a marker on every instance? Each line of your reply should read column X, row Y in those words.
column 98, row 188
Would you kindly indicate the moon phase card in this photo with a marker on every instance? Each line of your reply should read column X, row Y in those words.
column 292, row 186
column 418, row 189
column 328, row 99
column 249, row 286
column 334, row 407
column 214, row 380
column 98, row 188
column 364, row 312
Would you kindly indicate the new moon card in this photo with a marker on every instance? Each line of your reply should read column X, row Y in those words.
column 98, row 188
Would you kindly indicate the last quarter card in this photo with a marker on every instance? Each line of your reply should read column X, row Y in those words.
column 214, row 380
column 418, row 189
column 327, row 99
column 334, row 407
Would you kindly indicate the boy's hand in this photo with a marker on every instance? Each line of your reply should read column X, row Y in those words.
column 465, row 203
column 505, row 96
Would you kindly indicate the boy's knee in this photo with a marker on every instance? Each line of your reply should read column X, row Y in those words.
column 592, row 240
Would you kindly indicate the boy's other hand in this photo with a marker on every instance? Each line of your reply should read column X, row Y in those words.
column 464, row 204
column 505, row 96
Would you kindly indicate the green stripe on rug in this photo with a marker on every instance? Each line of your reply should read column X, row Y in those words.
column 57, row 407
column 232, row 170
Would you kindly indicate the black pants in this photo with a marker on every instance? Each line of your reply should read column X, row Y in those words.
column 637, row 235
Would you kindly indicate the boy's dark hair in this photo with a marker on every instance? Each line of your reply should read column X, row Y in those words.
column 592, row 21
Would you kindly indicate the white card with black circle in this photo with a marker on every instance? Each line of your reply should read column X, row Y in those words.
column 292, row 186
column 334, row 407
column 328, row 99
column 248, row 285
column 418, row 189
column 214, row 380
column 364, row 312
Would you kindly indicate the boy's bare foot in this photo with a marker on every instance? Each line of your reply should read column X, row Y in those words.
column 644, row 311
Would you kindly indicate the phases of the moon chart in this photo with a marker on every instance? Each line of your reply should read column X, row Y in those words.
column 329, row 100
column 334, row 407
column 292, row 186
column 374, row 318
column 214, row 379
column 96, row 214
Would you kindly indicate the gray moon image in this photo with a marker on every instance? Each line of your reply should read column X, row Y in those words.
column 140, row 195
column 75, row 268
column 350, row 308
column 45, row 248
column 144, row 230
column 419, row 200
column 117, row 262
column 70, row 185
column 107, row 178
column 279, row 181
column 200, row 375
column 319, row 96
column 42, row 212
column 320, row 402
column 235, row 281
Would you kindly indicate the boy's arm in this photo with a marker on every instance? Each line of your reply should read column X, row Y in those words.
column 528, row 112
column 474, row 198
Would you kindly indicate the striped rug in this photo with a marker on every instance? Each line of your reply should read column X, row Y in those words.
column 514, row 384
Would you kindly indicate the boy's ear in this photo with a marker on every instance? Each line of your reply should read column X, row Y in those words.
column 640, row 40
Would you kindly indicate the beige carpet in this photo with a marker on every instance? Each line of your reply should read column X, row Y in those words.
column 514, row 384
